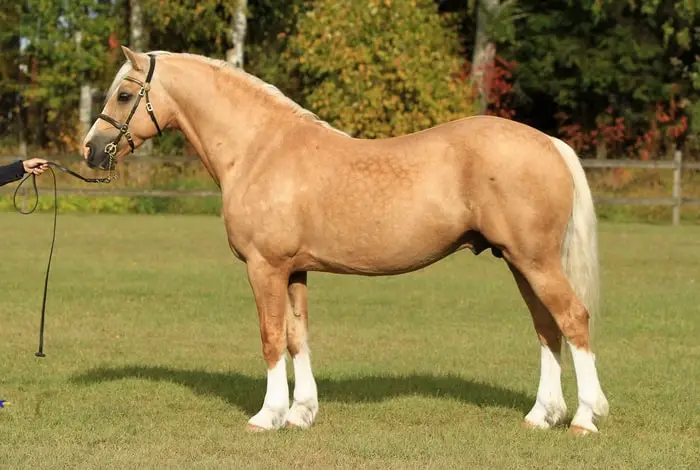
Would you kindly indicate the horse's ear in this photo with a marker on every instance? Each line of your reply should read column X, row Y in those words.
column 138, row 60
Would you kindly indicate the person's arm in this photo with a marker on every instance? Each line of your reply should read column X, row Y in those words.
column 11, row 172
column 16, row 170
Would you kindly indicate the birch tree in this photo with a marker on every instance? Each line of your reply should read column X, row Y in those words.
column 85, row 102
column 138, row 42
column 136, row 36
column 484, row 51
column 239, row 23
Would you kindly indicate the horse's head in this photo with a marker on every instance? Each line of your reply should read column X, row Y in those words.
column 136, row 108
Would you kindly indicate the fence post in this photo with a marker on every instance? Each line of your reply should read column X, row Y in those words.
column 677, row 169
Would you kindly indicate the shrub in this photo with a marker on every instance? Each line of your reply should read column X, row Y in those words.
column 378, row 68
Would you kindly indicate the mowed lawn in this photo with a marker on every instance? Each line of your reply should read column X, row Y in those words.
column 154, row 356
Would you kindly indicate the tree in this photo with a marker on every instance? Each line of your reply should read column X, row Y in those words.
column 56, row 66
column 196, row 26
column 10, row 77
column 267, row 39
column 85, row 106
column 617, row 73
column 380, row 67
column 137, row 37
column 484, row 50
column 238, row 29
column 138, row 40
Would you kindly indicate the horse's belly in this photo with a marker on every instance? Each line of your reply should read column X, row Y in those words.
column 389, row 223
column 382, row 250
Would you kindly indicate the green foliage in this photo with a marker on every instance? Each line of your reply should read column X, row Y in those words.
column 9, row 65
column 66, row 46
column 380, row 68
column 593, row 56
column 77, row 204
column 374, row 67
column 178, row 175
column 271, row 24
column 196, row 26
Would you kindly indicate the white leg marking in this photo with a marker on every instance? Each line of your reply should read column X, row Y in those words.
column 550, row 408
column 592, row 401
column 305, row 407
column 276, row 403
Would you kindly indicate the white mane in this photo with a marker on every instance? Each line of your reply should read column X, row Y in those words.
column 271, row 90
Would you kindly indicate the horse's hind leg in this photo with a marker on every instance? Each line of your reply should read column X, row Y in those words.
column 305, row 406
column 551, row 286
column 549, row 409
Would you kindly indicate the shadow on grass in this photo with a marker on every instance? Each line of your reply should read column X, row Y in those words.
column 247, row 392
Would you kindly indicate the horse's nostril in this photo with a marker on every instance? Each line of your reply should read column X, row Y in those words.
column 89, row 151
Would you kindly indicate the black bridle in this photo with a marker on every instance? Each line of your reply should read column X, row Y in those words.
column 111, row 148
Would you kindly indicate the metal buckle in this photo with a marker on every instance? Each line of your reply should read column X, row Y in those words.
column 124, row 129
column 149, row 107
column 111, row 150
column 142, row 91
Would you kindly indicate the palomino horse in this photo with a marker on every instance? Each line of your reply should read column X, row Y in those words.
column 300, row 196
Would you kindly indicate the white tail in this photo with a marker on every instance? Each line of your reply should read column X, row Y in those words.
column 579, row 255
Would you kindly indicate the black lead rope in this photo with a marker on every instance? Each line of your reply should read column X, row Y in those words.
column 32, row 176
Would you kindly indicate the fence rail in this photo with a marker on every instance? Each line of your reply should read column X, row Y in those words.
column 676, row 200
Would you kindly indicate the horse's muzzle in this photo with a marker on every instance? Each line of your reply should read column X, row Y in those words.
column 95, row 154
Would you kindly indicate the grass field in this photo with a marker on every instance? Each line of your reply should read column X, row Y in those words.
column 154, row 358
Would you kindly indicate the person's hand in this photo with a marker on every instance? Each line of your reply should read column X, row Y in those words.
column 35, row 165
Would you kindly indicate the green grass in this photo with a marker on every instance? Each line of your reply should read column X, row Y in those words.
column 154, row 357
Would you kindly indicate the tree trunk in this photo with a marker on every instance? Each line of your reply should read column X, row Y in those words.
column 85, row 109
column 22, row 72
column 484, row 52
column 136, row 36
column 238, row 29
column 21, row 124
column 137, row 42
column 85, row 106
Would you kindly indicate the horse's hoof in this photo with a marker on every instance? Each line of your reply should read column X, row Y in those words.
column 301, row 415
column 575, row 430
column 528, row 425
column 525, row 424
column 253, row 428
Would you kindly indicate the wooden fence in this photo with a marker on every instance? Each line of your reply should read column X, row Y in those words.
column 676, row 200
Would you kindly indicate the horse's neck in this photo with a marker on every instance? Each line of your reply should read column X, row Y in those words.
column 223, row 116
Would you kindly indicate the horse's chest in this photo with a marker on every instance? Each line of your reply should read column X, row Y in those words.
column 240, row 232
column 261, row 219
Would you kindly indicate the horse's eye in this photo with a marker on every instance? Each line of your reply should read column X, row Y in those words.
column 124, row 96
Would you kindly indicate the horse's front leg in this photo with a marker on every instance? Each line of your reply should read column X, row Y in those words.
column 305, row 407
column 270, row 289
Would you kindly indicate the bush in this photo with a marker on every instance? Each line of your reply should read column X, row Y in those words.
column 379, row 68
